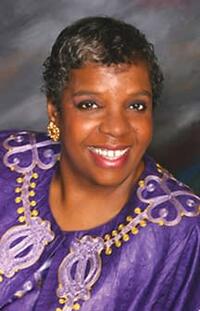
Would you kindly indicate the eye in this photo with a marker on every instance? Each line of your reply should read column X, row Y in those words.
column 138, row 106
column 87, row 105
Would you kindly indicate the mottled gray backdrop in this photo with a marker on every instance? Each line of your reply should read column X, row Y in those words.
column 28, row 28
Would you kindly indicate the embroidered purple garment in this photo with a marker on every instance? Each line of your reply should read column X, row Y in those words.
column 147, row 258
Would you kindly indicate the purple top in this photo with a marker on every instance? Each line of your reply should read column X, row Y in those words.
column 146, row 258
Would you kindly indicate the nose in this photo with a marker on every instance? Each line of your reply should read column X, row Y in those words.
column 115, row 124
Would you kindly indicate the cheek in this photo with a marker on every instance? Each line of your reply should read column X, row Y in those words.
column 76, row 129
column 148, row 131
column 148, row 127
column 143, row 129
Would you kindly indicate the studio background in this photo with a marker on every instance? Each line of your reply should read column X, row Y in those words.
column 28, row 29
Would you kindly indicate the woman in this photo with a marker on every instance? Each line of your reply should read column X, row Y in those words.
column 88, row 220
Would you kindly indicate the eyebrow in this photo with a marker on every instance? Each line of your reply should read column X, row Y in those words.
column 140, row 93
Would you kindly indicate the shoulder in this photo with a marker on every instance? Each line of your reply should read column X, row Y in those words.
column 168, row 203
column 21, row 150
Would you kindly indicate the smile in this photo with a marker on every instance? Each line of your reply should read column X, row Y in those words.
column 108, row 154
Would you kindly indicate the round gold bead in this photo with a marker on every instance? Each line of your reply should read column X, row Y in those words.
column 32, row 185
column 114, row 232
column 33, row 203
column 126, row 237
column 34, row 213
column 120, row 227
column 59, row 309
column 143, row 223
column 1, row 278
column 21, row 218
column 108, row 251
column 161, row 222
column 76, row 306
column 118, row 243
column 12, row 168
column 137, row 210
column 32, row 193
column 159, row 170
column 18, row 199
column 18, row 190
column 20, row 210
column 158, row 165
column 107, row 237
column 19, row 294
column 62, row 301
column 129, row 218
column 141, row 183
column 134, row 230
column 20, row 180
column 35, row 175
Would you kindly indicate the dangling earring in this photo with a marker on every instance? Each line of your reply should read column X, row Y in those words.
column 53, row 131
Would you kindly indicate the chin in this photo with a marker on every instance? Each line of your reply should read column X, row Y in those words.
column 112, row 179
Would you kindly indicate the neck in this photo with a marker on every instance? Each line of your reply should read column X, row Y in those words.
column 80, row 205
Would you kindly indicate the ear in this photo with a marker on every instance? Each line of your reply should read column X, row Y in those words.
column 52, row 112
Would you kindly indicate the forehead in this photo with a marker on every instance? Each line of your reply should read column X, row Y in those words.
column 101, row 77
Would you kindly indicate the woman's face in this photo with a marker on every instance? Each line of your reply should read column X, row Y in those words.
column 105, row 123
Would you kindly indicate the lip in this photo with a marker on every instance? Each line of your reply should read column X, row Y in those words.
column 108, row 163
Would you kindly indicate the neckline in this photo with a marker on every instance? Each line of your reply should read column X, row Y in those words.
column 120, row 217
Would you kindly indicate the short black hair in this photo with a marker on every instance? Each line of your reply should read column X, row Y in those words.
column 102, row 40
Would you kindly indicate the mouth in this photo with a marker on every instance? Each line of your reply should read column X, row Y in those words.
column 109, row 157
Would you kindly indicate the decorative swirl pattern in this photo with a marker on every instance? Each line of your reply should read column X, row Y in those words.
column 156, row 193
column 25, row 142
column 21, row 246
column 79, row 270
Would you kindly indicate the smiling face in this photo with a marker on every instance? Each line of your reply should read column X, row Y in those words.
column 105, row 123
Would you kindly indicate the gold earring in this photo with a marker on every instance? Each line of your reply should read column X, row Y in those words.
column 53, row 131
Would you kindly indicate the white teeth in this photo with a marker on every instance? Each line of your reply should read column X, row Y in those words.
column 109, row 154
column 118, row 153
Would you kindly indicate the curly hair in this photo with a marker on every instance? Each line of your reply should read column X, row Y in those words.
column 101, row 40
